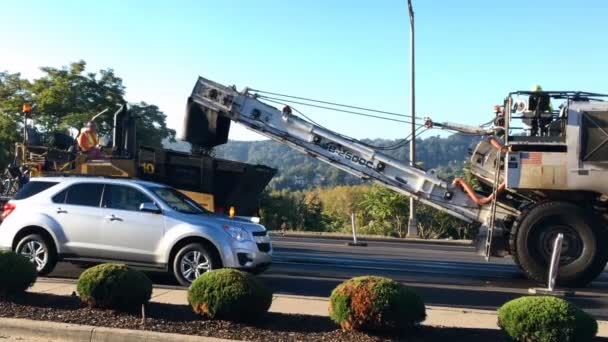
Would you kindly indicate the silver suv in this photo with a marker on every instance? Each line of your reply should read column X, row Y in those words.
column 143, row 224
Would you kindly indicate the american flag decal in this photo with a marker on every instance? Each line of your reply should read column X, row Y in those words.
column 531, row 158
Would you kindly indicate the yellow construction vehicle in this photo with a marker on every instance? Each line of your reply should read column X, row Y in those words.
column 216, row 184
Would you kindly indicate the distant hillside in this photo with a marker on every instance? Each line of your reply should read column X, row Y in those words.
column 178, row 145
column 299, row 171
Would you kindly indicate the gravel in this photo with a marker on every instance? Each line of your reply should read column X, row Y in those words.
column 181, row 320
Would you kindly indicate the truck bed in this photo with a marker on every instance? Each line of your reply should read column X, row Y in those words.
column 231, row 183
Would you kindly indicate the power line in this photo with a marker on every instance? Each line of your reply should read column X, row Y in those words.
column 297, row 111
column 333, row 109
column 403, row 142
column 333, row 103
column 395, row 146
column 278, row 100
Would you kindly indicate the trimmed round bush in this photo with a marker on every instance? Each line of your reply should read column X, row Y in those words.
column 229, row 294
column 114, row 286
column 375, row 304
column 17, row 273
column 545, row 319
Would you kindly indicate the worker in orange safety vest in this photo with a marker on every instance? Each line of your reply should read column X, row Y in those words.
column 88, row 141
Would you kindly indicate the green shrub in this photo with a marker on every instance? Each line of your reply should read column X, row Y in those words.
column 545, row 319
column 114, row 286
column 375, row 304
column 229, row 294
column 17, row 273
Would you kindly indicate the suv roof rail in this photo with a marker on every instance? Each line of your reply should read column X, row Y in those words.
column 68, row 175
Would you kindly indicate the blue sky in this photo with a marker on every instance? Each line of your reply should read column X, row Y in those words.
column 470, row 53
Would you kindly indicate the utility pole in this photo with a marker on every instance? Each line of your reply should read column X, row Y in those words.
column 412, row 227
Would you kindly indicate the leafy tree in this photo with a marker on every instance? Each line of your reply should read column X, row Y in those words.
column 338, row 204
column 68, row 97
column 387, row 210
column 283, row 207
column 9, row 135
column 314, row 218
column 437, row 224
column 13, row 94
column 151, row 125
column 468, row 176
column 296, row 210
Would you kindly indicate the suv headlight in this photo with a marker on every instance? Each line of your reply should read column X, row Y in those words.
column 237, row 233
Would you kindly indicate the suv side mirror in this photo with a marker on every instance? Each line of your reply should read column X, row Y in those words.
column 149, row 207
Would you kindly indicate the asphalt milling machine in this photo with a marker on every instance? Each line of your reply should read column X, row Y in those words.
column 219, row 185
column 542, row 169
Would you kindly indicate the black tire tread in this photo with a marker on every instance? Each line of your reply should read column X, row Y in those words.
column 588, row 276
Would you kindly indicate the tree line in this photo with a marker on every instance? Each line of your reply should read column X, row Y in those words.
column 298, row 171
column 377, row 209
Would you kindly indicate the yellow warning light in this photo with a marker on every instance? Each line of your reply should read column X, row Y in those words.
column 231, row 212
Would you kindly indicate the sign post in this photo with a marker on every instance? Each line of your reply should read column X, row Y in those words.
column 553, row 270
column 412, row 225
column 355, row 242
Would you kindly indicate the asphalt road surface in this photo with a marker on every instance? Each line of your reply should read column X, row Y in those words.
column 444, row 274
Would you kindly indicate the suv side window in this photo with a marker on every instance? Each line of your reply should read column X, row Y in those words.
column 32, row 188
column 60, row 197
column 123, row 197
column 86, row 194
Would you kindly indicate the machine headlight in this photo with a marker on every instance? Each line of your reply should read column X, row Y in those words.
column 237, row 233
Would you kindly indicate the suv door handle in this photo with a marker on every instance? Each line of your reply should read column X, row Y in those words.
column 113, row 218
column 61, row 211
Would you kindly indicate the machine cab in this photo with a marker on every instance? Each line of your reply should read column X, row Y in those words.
column 555, row 140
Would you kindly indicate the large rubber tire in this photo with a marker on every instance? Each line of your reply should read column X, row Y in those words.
column 46, row 248
column 187, row 253
column 584, row 250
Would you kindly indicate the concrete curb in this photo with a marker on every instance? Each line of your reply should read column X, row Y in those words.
column 85, row 333
column 465, row 243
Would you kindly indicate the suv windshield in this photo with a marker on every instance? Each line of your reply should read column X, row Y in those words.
column 178, row 201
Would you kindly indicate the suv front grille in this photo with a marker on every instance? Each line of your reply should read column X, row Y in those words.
column 264, row 247
column 261, row 233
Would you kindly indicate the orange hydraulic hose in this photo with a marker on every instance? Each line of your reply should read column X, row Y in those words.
column 469, row 190
column 497, row 144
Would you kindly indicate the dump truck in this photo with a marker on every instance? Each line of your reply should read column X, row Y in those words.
column 542, row 169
